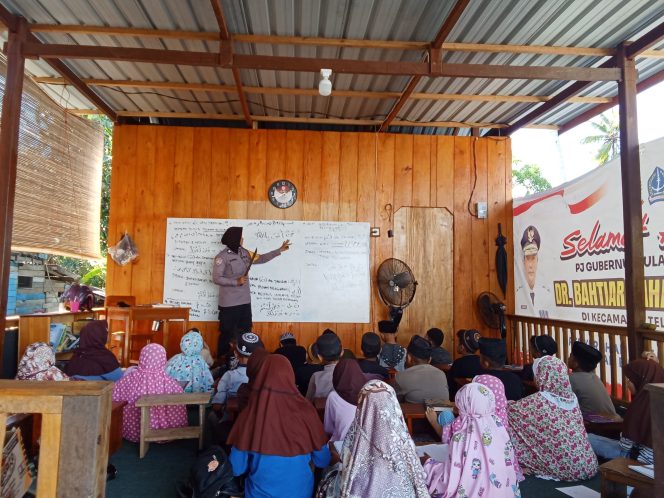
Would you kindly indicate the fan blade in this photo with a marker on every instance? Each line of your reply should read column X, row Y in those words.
column 403, row 279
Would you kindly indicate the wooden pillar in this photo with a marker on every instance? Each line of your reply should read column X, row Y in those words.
column 630, row 169
column 11, row 115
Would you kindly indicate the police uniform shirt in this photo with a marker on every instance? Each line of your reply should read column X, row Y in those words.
column 229, row 267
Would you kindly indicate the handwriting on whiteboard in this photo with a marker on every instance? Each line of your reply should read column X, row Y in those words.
column 324, row 277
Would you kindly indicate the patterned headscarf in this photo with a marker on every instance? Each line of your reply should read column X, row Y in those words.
column 549, row 437
column 481, row 457
column 378, row 454
column 553, row 381
column 38, row 363
column 189, row 366
column 149, row 377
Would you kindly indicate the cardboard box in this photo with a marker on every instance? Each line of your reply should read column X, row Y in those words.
column 16, row 478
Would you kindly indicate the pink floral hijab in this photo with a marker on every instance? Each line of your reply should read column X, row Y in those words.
column 148, row 378
column 481, row 457
column 38, row 363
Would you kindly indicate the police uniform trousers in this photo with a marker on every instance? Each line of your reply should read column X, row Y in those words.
column 232, row 319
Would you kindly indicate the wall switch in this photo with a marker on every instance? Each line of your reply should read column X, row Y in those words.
column 481, row 210
column 375, row 231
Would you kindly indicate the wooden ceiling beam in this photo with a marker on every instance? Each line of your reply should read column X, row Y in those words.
column 303, row 64
column 628, row 50
column 60, row 67
column 435, row 60
column 311, row 92
column 652, row 37
column 332, row 42
column 293, row 119
column 612, row 102
column 226, row 45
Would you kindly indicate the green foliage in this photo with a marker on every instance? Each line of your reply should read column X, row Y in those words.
column 608, row 138
column 94, row 273
column 530, row 177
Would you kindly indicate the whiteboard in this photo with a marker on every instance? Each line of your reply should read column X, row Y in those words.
column 323, row 277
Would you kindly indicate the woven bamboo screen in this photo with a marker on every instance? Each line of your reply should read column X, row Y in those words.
column 58, row 184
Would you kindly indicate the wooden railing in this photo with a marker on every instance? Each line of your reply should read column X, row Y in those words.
column 612, row 341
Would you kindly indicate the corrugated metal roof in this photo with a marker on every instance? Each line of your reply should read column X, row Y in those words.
column 584, row 23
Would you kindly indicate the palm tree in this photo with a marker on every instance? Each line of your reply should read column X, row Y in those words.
column 608, row 138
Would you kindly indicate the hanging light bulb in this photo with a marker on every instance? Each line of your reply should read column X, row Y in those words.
column 325, row 85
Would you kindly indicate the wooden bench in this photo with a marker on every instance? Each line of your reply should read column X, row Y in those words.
column 616, row 476
column 149, row 435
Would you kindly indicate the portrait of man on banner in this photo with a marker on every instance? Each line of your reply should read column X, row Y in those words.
column 532, row 297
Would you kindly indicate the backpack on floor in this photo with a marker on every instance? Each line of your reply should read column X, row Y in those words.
column 211, row 476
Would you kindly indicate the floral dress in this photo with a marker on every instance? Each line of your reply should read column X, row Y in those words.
column 547, row 427
column 189, row 367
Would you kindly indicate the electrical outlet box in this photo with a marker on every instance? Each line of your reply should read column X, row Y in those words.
column 481, row 210
column 375, row 231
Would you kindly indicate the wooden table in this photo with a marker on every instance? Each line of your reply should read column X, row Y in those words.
column 130, row 315
column 412, row 411
column 616, row 476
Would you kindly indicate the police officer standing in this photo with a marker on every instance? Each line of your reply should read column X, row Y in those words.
column 536, row 299
column 230, row 273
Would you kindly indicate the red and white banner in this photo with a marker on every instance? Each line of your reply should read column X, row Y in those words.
column 569, row 246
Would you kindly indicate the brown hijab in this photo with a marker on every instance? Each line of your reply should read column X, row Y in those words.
column 637, row 423
column 348, row 380
column 254, row 366
column 91, row 357
column 278, row 420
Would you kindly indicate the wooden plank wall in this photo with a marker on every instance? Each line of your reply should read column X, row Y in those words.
column 161, row 172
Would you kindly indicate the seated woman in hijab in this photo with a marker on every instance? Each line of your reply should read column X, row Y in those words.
column 341, row 403
column 278, row 437
column 481, row 459
column 636, row 438
column 149, row 377
column 38, row 363
column 547, row 428
column 91, row 360
column 189, row 368
column 378, row 456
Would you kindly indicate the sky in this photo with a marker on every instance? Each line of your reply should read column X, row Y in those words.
column 563, row 158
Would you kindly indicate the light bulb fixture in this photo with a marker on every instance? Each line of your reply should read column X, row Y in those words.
column 325, row 85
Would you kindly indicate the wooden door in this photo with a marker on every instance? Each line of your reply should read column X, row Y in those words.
column 423, row 239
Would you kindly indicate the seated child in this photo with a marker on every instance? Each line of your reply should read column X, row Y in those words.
column 420, row 380
column 231, row 381
column 279, row 438
column 589, row 389
column 392, row 355
column 481, row 456
column 468, row 364
column 341, row 403
column 370, row 349
column 493, row 353
column 329, row 351
column 439, row 355
column 540, row 345
column 636, row 440
column 91, row 360
column 38, row 363
column 288, row 347
column 189, row 368
column 149, row 377
column 346, row 354
column 304, row 372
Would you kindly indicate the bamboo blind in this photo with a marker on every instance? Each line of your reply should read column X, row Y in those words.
column 58, row 180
